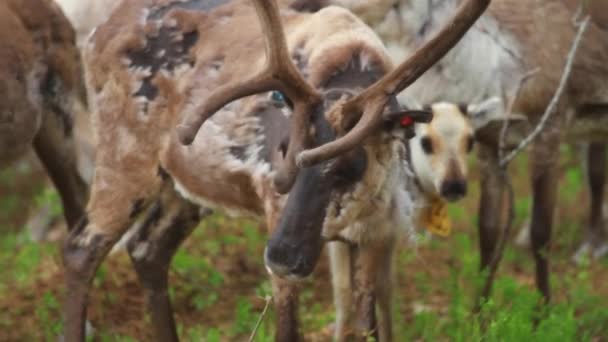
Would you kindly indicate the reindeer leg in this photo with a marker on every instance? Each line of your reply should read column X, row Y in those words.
column 365, row 295
column 83, row 252
column 167, row 224
column 544, row 173
column 54, row 146
column 372, row 282
column 596, row 168
column 384, row 290
column 112, row 208
column 490, row 203
column 340, row 259
column 285, row 298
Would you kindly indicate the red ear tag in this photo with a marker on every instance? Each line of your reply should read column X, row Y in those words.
column 406, row 121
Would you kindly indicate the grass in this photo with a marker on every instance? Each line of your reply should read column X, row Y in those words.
column 218, row 282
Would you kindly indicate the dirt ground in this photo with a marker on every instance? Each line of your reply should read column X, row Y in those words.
column 218, row 280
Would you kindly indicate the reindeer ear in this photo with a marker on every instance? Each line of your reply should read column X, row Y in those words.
column 405, row 120
column 484, row 112
column 408, row 117
column 487, row 119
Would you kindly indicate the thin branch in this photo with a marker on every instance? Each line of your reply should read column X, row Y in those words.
column 505, row 124
column 261, row 319
column 555, row 100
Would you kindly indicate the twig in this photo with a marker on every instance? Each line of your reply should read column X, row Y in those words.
column 554, row 101
column 505, row 124
column 262, row 315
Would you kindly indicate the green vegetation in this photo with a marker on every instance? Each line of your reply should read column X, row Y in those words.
column 218, row 282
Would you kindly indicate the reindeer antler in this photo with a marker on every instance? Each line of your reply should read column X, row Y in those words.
column 370, row 104
column 280, row 74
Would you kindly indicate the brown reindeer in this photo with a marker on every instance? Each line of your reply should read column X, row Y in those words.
column 84, row 15
column 326, row 156
column 41, row 86
column 506, row 43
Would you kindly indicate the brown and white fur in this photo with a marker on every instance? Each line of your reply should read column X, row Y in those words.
column 41, row 86
column 436, row 168
column 507, row 42
column 154, row 61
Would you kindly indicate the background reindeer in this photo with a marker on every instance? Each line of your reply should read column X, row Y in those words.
column 162, row 68
column 500, row 49
column 41, row 86
column 84, row 16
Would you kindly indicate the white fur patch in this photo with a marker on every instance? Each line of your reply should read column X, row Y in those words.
column 498, row 75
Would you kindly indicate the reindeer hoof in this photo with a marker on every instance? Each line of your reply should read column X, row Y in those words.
column 589, row 250
column 522, row 240
column 600, row 251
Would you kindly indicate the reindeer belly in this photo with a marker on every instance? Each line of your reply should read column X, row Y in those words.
column 220, row 171
column 590, row 124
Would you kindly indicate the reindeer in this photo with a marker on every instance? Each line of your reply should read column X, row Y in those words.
column 436, row 173
column 324, row 151
column 41, row 86
column 506, row 43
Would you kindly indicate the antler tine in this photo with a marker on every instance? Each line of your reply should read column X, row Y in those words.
column 279, row 74
column 370, row 103
column 294, row 86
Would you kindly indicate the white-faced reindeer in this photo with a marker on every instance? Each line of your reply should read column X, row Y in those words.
column 507, row 42
column 436, row 173
column 41, row 85
column 329, row 156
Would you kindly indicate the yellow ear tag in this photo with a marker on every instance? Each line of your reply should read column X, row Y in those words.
column 435, row 218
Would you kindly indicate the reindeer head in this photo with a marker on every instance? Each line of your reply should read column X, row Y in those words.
column 333, row 124
column 440, row 148
column 439, row 152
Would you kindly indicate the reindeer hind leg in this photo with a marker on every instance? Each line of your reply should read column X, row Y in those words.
column 167, row 224
column 544, row 176
column 596, row 172
column 55, row 148
column 114, row 204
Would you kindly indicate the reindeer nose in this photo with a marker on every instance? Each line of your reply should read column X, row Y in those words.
column 285, row 262
column 453, row 190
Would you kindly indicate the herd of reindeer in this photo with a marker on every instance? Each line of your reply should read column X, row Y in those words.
column 332, row 121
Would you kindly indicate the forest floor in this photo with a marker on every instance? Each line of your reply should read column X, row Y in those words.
column 218, row 281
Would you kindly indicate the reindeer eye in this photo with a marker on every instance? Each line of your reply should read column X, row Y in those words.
column 470, row 144
column 427, row 145
column 278, row 97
